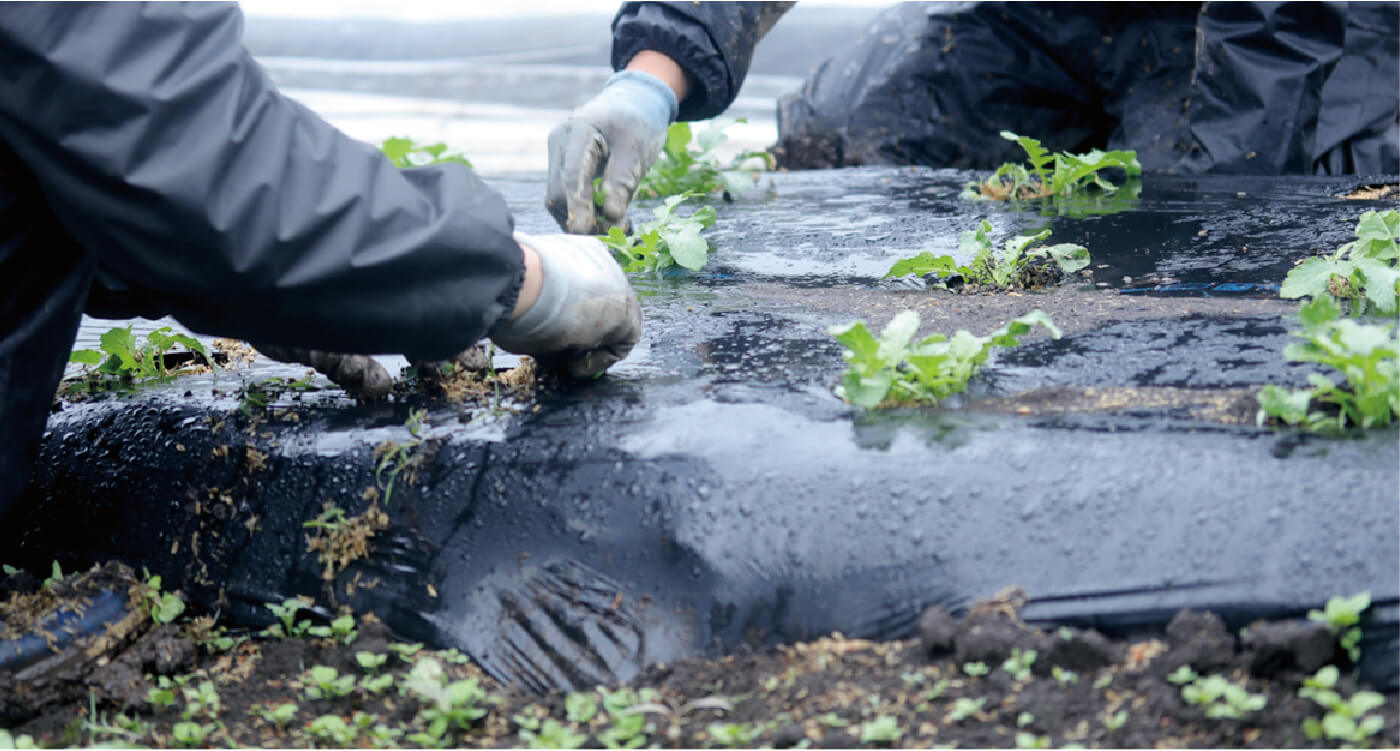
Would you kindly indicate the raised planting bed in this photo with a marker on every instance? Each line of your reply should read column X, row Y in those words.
column 712, row 494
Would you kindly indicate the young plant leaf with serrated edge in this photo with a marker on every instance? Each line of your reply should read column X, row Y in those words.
column 893, row 369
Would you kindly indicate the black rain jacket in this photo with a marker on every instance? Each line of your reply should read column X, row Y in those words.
column 1226, row 87
column 140, row 144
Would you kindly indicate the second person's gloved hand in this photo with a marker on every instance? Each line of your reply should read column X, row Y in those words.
column 586, row 316
column 615, row 136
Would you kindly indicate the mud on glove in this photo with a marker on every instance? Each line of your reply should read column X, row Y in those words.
column 616, row 136
column 586, row 316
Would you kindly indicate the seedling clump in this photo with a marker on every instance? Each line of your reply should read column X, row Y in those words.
column 668, row 240
column 1047, row 174
column 1362, row 271
column 1345, row 720
column 1343, row 618
column 893, row 371
column 124, row 360
column 1367, row 356
column 1008, row 267
column 686, row 168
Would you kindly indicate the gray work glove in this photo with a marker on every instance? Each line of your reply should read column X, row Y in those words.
column 360, row 375
column 586, row 317
column 616, row 136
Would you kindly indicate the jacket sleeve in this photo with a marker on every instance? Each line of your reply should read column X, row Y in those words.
column 168, row 154
column 713, row 42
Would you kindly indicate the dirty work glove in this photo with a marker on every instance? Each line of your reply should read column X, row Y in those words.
column 360, row 375
column 617, row 136
column 586, row 317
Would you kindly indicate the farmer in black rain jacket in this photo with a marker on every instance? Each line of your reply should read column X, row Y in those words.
column 146, row 157
column 1241, row 88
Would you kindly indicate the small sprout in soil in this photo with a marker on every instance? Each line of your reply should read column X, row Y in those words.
column 445, row 705
column 1023, row 719
column 55, row 577
column 332, row 728
column 832, row 720
column 370, row 661
column 894, row 371
column 913, row 679
column 1343, row 618
column 668, row 240
column 1182, row 675
column 1103, row 680
column 324, row 682
column 280, row 715
column 201, row 699
column 405, row 152
column 965, row 707
column 377, row 684
column 1009, row 267
column 732, row 734
column 1221, row 698
column 1367, row 356
column 1019, row 663
column 1050, row 174
column 1346, row 720
column 406, row 652
column 883, row 730
column 1117, row 720
column 976, row 668
column 287, row 613
column 938, row 689
column 161, row 695
column 192, row 734
column 683, row 168
column 383, row 736
column 1065, row 677
column 1031, row 740
column 626, row 731
column 553, row 734
column 1363, row 270
column 342, row 629
column 454, row 656
column 580, row 707
column 164, row 607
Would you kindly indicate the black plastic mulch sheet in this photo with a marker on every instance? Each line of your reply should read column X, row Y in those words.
column 712, row 491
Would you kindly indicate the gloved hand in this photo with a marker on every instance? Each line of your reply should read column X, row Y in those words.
column 586, row 316
column 617, row 136
column 360, row 375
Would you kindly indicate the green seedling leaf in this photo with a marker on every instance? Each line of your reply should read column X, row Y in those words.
column 895, row 370
column 405, row 152
column 926, row 263
column 85, row 356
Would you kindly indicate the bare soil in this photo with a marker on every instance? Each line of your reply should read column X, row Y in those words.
column 979, row 679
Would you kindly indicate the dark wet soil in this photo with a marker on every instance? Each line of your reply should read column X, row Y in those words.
column 983, row 678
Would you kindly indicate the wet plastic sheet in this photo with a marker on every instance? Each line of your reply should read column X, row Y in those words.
column 713, row 493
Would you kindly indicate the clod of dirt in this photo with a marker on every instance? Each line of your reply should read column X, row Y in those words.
column 1197, row 639
column 989, row 637
column 1079, row 651
column 1276, row 647
column 937, row 630
column 164, row 650
column 57, row 636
